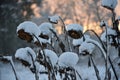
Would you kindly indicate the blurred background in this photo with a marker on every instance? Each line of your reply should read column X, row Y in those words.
column 88, row 13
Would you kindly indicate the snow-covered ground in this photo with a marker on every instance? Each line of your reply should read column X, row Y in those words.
column 87, row 73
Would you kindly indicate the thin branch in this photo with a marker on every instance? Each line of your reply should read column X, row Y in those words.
column 95, row 68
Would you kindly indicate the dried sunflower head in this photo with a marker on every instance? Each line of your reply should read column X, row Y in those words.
column 75, row 34
column 24, row 35
column 74, row 30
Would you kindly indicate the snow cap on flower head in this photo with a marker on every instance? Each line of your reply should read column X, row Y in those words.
column 25, row 54
column 68, row 59
column 109, row 4
column 45, row 35
column 78, row 42
column 26, row 30
column 29, row 27
column 51, row 55
column 86, row 47
column 54, row 19
column 74, row 30
column 45, row 28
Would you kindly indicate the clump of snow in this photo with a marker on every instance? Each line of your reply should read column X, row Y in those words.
column 25, row 54
column 29, row 27
column 51, row 55
column 110, row 4
column 88, row 47
column 42, row 40
column 54, row 19
column 9, row 58
column 75, row 27
column 68, row 59
column 77, row 42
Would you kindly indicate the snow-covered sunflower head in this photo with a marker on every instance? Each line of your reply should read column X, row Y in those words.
column 109, row 4
column 26, row 56
column 54, row 19
column 26, row 30
column 86, row 48
column 67, row 61
column 45, row 33
column 74, row 30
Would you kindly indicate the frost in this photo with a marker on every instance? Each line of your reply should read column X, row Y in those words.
column 29, row 27
column 76, row 27
column 88, row 47
column 68, row 59
column 52, row 56
column 25, row 54
column 110, row 4
column 54, row 19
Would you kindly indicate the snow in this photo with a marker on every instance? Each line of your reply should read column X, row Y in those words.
column 51, row 55
column 42, row 40
column 77, row 42
column 24, row 54
column 45, row 28
column 9, row 58
column 88, row 40
column 76, row 27
column 68, row 59
column 29, row 27
column 39, row 68
column 24, row 73
column 109, row 3
column 89, row 47
column 109, row 32
column 88, row 73
column 103, row 37
column 54, row 19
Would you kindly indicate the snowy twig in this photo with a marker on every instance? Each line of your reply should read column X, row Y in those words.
column 113, row 69
column 98, row 38
column 65, row 32
column 95, row 68
column 79, row 75
column 62, row 46
column 33, row 62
